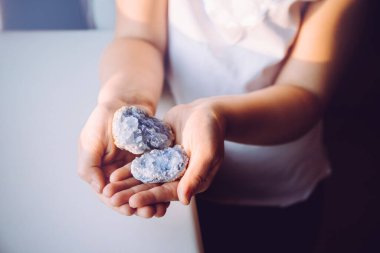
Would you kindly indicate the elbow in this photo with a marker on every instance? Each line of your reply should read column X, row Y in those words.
column 311, row 108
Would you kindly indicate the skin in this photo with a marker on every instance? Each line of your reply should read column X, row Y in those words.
column 134, row 63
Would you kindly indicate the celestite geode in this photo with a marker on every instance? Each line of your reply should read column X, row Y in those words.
column 159, row 166
column 133, row 130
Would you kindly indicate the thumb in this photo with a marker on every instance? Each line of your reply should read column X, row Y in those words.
column 97, row 180
column 89, row 169
column 195, row 178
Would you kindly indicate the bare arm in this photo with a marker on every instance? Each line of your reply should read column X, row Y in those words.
column 278, row 114
column 297, row 100
column 133, row 63
column 131, row 74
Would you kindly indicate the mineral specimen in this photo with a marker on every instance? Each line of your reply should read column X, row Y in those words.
column 159, row 166
column 135, row 131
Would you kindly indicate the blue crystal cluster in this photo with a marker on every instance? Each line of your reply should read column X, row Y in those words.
column 159, row 166
column 133, row 130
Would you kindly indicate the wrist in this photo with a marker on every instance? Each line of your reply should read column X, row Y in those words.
column 112, row 99
column 214, row 105
column 116, row 103
column 219, row 114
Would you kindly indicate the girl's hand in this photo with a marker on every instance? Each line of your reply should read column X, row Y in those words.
column 99, row 157
column 122, row 186
column 199, row 128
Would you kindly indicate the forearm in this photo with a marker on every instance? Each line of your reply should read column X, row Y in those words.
column 131, row 72
column 275, row 115
column 295, row 103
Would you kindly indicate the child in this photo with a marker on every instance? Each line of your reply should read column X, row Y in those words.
column 252, row 79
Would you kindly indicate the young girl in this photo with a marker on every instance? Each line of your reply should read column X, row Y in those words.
column 252, row 79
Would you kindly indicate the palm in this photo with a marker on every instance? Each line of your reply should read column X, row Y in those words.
column 101, row 160
column 97, row 139
column 199, row 132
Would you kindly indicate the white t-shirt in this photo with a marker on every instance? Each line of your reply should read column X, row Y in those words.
column 219, row 47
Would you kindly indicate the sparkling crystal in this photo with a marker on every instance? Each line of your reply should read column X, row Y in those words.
column 135, row 131
column 159, row 166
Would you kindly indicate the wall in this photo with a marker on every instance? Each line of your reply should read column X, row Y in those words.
column 43, row 14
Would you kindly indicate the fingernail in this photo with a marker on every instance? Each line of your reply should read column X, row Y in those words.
column 184, row 199
column 189, row 199
column 95, row 186
column 131, row 202
column 107, row 193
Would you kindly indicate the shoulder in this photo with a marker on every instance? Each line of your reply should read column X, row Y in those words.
column 322, row 46
column 325, row 21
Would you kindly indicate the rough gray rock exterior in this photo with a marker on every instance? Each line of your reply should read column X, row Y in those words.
column 135, row 131
column 159, row 166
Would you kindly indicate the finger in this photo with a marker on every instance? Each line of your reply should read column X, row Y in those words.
column 113, row 160
column 115, row 154
column 108, row 169
column 89, row 169
column 163, row 193
column 146, row 211
column 112, row 188
column 161, row 209
column 198, row 175
column 121, row 173
column 122, row 197
column 124, row 209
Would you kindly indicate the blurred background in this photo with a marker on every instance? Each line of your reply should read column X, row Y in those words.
column 49, row 57
column 56, row 14
column 351, row 218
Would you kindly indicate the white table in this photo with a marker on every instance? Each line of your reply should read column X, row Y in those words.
column 48, row 87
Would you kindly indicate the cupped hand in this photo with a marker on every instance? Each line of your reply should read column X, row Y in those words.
column 122, row 186
column 98, row 158
column 199, row 128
